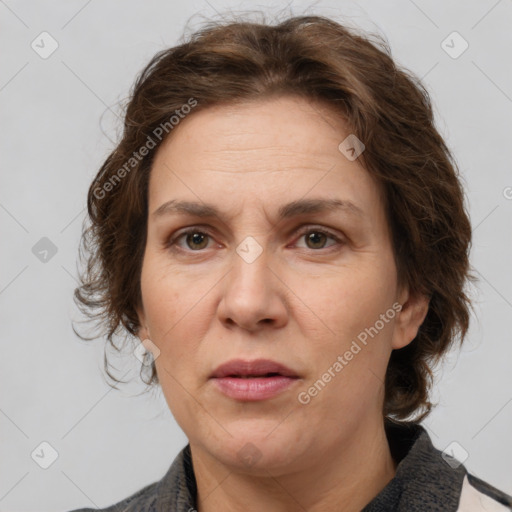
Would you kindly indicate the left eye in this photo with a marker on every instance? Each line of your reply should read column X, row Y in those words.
column 317, row 237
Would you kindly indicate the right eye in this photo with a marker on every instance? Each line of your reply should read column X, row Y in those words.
column 194, row 238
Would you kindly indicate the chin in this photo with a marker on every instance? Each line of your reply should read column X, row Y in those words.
column 256, row 451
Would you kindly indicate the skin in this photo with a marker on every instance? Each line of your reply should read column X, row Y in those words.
column 301, row 302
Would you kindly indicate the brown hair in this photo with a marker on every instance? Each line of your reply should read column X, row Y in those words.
column 385, row 106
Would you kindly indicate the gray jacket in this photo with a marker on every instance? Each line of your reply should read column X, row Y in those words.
column 426, row 480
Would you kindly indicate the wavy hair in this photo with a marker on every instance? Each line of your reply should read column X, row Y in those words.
column 384, row 105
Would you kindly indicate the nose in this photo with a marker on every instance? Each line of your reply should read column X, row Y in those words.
column 254, row 295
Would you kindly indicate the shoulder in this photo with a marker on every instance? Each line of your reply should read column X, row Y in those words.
column 477, row 495
column 175, row 492
column 141, row 501
column 428, row 479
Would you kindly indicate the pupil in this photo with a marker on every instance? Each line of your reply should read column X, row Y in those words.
column 195, row 238
column 313, row 236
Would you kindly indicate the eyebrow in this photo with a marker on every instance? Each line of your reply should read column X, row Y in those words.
column 289, row 210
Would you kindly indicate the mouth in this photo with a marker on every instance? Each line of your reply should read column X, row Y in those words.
column 250, row 381
column 259, row 368
column 255, row 376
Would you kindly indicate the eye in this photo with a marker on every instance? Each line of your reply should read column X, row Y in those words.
column 316, row 238
column 195, row 240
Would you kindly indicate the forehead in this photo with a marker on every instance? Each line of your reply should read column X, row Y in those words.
column 271, row 125
column 271, row 152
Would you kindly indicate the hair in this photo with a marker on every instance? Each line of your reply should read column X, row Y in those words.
column 384, row 105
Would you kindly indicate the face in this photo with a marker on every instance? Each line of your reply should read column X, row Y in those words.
column 308, row 286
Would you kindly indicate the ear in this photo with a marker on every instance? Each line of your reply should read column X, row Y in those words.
column 409, row 318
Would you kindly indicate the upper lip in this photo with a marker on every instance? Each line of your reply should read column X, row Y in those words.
column 258, row 367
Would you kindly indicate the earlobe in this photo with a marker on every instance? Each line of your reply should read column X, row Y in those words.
column 143, row 331
column 409, row 320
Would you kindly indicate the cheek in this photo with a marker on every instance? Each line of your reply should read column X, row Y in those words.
column 344, row 302
column 178, row 315
column 165, row 308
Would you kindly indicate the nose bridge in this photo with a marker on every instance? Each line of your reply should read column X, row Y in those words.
column 251, row 296
column 250, row 273
column 252, row 257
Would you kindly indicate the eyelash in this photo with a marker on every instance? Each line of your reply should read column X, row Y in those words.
column 172, row 245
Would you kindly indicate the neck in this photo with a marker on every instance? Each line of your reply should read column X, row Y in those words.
column 343, row 479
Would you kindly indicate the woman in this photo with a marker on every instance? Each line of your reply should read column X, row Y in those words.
column 284, row 230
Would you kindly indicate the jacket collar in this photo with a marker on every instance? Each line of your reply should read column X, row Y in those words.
column 422, row 477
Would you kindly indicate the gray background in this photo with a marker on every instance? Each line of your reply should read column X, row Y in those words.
column 110, row 443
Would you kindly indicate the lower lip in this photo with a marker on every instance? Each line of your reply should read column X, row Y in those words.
column 257, row 388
